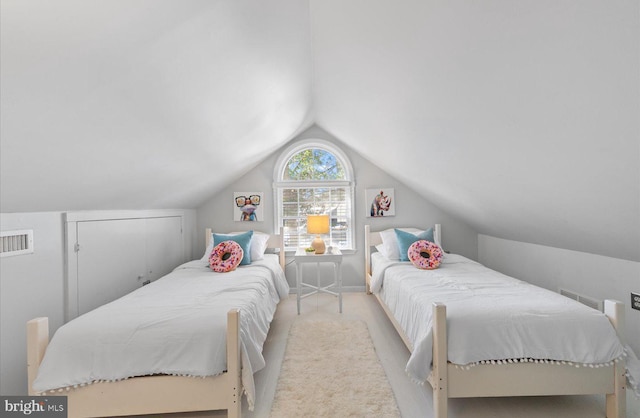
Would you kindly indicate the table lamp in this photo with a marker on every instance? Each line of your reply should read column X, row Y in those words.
column 318, row 224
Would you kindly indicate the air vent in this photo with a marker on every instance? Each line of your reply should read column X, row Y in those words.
column 586, row 300
column 16, row 242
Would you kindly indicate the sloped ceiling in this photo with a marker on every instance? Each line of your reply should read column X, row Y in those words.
column 521, row 118
column 145, row 103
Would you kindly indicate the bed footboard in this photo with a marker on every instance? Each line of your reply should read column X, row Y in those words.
column 234, row 364
column 37, row 342
column 617, row 401
column 440, row 377
column 148, row 394
column 525, row 379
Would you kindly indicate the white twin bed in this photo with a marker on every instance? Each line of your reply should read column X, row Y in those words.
column 474, row 332
column 189, row 341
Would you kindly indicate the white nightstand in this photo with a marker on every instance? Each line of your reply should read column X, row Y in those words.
column 335, row 257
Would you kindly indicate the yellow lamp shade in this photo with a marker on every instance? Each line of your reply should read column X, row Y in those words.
column 318, row 224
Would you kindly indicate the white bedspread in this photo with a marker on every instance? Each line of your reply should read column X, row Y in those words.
column 175, row 325
column 490, row 316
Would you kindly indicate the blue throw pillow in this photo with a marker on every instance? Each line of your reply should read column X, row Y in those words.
column 405, row 239
column 243, row 239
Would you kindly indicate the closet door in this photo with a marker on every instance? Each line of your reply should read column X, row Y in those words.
column 164, row 246
column 111, row 260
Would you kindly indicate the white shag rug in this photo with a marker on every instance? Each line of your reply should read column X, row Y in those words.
column 331, row 369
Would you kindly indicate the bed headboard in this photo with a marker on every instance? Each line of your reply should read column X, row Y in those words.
column 371, row 239
column 275, row 242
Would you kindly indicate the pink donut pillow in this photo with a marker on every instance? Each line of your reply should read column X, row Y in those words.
column 425, row 255
column 225, row 256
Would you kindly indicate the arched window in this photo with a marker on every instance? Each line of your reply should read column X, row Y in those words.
column 314, row 177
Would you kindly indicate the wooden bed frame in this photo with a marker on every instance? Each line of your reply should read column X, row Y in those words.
column 153, row 394
column 514, row 379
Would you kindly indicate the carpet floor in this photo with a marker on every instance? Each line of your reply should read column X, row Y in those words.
column 330, row 369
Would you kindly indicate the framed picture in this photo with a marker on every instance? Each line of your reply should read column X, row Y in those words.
column 247, row 206
column 380, row 202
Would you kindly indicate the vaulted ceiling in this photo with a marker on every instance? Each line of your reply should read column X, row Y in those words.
column 522, row 118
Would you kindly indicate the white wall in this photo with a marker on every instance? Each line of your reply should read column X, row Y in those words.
column 411, row 210
column 33, row 285
column 592, row 275
column 30, row 286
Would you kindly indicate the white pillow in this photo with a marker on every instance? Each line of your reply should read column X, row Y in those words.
column 207, row 251
column 389, row 247
column 258, row 245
